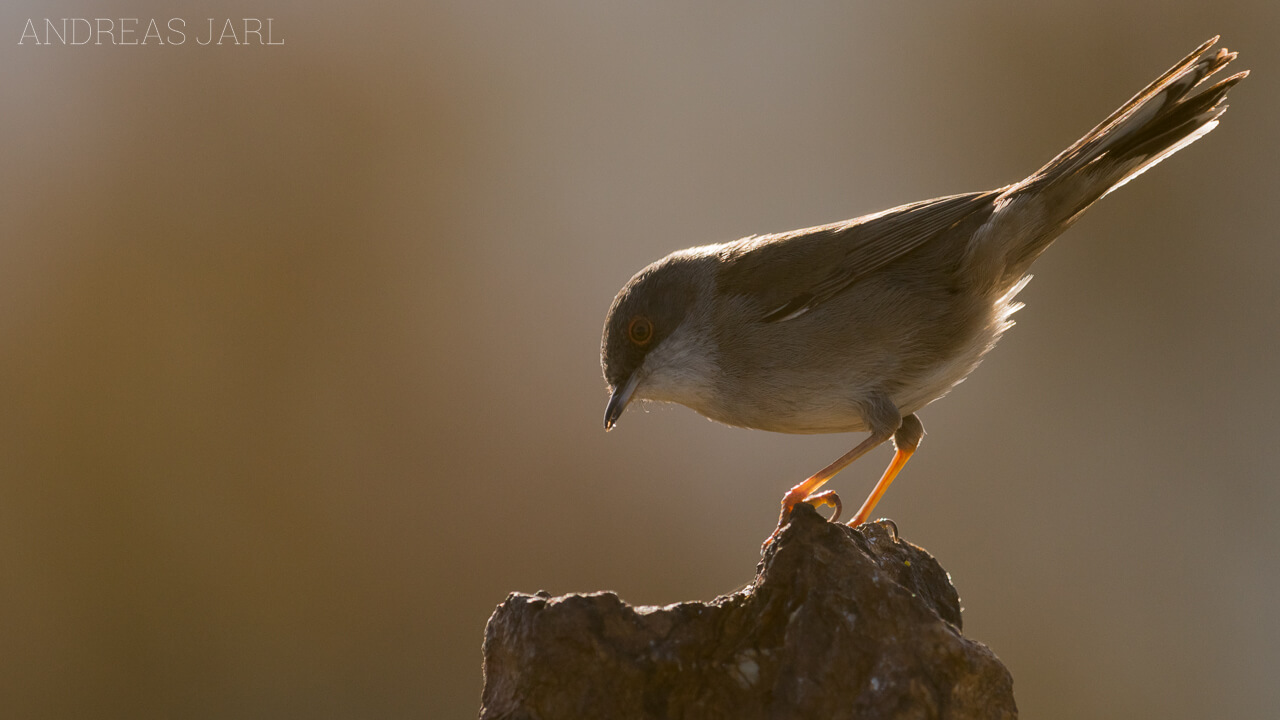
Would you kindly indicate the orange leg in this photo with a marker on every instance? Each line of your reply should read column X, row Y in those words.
column 900, row 459
column 804, row 490
column 906, row 440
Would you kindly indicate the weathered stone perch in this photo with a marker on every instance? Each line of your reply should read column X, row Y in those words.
column 838, row 623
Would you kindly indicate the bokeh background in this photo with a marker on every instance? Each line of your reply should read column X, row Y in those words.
column 299, row 344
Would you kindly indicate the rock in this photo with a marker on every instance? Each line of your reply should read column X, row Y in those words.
column 838, row 623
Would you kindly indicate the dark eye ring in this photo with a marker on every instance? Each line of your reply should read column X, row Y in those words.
column 640, row 330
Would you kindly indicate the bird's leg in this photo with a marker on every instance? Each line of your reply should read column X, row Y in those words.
column 802, row 492
column 905, row 440
column 882, row 415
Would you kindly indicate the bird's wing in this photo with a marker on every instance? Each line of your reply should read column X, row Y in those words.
column 790, row 273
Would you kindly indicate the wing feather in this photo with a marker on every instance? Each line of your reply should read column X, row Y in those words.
column 791, row 273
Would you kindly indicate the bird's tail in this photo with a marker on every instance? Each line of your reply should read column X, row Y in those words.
column 1157, row 122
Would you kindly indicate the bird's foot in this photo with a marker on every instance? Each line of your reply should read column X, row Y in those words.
column 826, row 497
column 817, row 500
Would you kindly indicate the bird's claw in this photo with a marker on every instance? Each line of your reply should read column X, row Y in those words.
column 817, row 500
column 826, row 497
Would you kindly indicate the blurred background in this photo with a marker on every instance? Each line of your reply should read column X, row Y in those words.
column 299, row 345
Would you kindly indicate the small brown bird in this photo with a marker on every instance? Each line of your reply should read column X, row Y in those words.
column 857, row 325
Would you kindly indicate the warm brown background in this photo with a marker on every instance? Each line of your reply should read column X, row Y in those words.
column 299, row 345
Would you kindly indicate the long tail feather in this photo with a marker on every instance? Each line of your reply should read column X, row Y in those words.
column 1157, row 122
column 1163, row 118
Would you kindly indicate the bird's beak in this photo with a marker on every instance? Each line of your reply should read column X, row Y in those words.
column 618, row 402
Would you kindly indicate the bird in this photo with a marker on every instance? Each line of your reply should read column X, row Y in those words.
column 855, row 326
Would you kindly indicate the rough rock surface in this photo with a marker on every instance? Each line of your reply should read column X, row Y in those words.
column 838, row 623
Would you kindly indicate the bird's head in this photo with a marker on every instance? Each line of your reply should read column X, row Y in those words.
column 652, row 347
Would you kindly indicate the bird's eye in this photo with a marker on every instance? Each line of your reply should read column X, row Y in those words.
column 640, row 330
